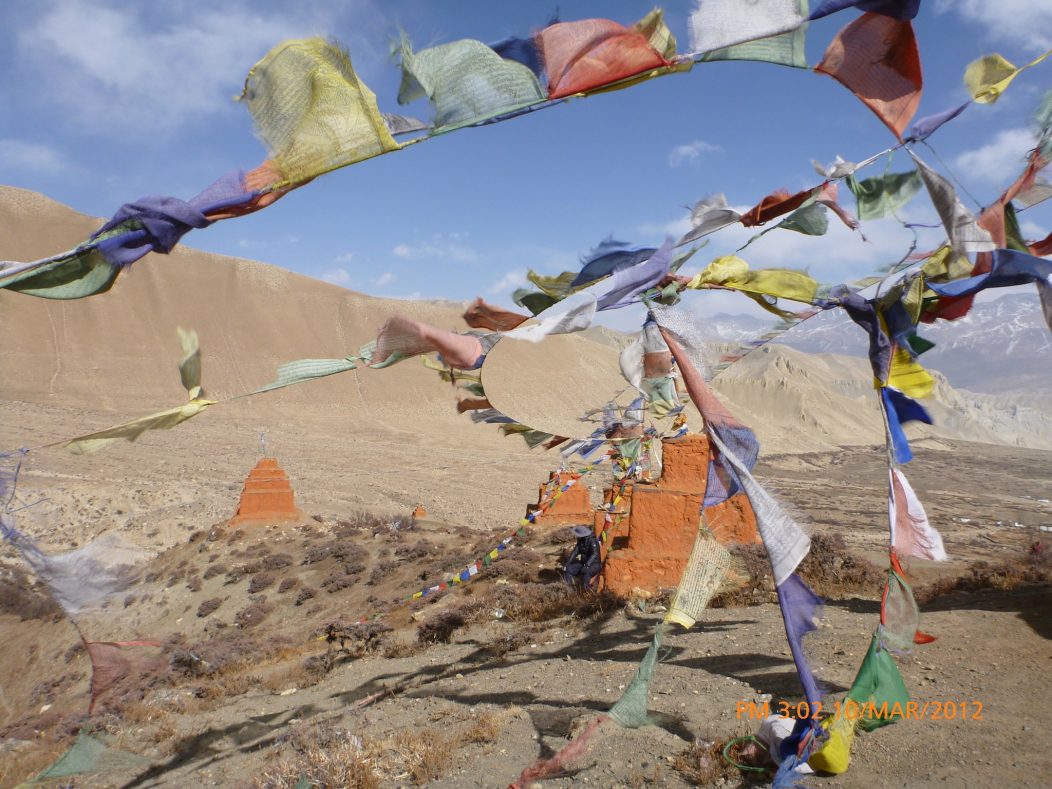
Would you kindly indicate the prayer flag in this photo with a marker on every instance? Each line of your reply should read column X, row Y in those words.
column 588, row 54
column 717, row 24
column 466, row 82
column 876, row 58
column 312, row 110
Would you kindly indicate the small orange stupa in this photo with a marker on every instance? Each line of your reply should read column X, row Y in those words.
column 419, row 513
column 573, row 506
column 659, row 522
column 267, row 496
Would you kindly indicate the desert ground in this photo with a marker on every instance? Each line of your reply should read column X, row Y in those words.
column 476, row 710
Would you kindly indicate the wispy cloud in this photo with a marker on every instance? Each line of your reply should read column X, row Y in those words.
column 337, row 276
column 674, row 228
column 691, row 152
column 1026, row 23
column 441, row 246
column 31, row 157
column 513, row 279
column 346, row 257
column 111, row 65
column 997, row 162
column 384, row 279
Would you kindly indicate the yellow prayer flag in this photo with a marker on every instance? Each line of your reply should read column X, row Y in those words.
column 989, row 76
column 909, row 377
column 730, row 271
column 129, row 431
column 313, row 111
column 835, row 755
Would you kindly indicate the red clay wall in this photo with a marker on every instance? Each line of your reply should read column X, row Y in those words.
column 572, row 507
column 267, row 495
column 650, row 547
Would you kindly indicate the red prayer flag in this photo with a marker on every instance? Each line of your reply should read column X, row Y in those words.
column 876, row 58
column 591, row 53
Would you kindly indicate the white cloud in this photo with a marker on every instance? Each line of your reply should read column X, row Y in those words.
column 31, row 157
column 513, row 279
column 384, row 279
column 691, row 152
column 998, row 162
column 134, row 64
column 1026, row 23
column 346, row 257
column 337, row 276
column 675, row 228
column 443, row 246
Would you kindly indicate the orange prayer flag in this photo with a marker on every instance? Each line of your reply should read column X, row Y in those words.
column 481, row 315
column 876, row 58
column 776, row 204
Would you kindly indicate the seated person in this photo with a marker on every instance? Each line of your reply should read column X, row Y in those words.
column 585, row 562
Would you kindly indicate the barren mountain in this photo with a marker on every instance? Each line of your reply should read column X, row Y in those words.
column 381, row 439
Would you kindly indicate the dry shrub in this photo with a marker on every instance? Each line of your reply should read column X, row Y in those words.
column 24, row 598
column 225, row 653
column 426, row 754
column 830, row 569
column 533, row 602
column 703, row 764
column 1031, row 571
column 326, row 756
column 356, row 639
column 421, row 549
column 215, row 569
column 383, row 570
column 485, row 728
column 401, row 649
column 252, row 615
column 440, row 627
column 306, row 593
column 277, row 561
column 835, row 573
column 338, row 580
column 261, row 581
column 286, row 584
column 509, row 642
column 193, row 584
column 518, row 565
column 208, row 607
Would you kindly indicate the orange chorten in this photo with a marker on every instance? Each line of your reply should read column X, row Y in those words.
column 650, row 545
column 573, row 506
column 267, row 496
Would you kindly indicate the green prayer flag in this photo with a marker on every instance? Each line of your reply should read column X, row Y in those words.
column 302, row 370
column 885, row 194
column 878, row 689
column 466, row 82
column 630, row 710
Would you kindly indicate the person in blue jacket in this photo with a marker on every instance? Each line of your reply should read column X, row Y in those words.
column 585, row 560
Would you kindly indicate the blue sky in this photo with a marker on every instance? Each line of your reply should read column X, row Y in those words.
column 104, row 102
